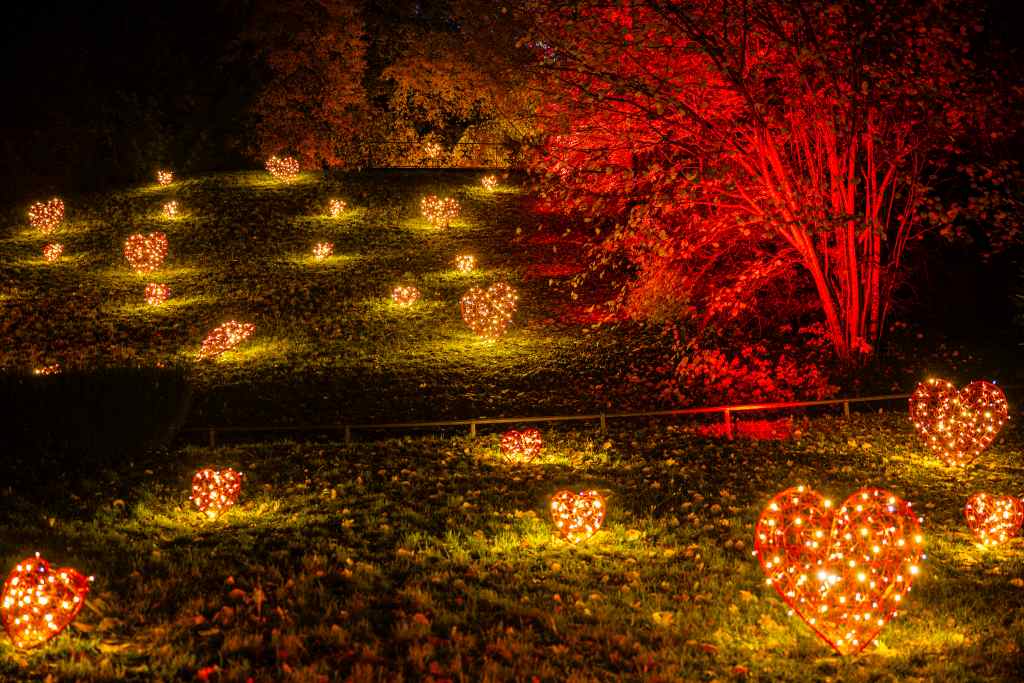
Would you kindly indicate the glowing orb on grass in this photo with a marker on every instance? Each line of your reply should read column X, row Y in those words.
column 157, row 293
column 465, row 263
column 145, row 253
column 577, row 516
column 322, row 250
column 521, row 447
column 52, row 252
column 488, row 312
column 489, row 182
column 439, row 212
column 335, row 208
column 52, row 369
column 38, row 601
column 843, row 571
column 215, row 491
column 283, row 168
column 46, row 216
column 171, row 209
column 994, row 519
column 405, row 295
column 225, row 337
column 165, row 177
column 958, row 425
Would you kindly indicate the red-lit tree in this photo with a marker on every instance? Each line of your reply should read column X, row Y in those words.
column 727, row 146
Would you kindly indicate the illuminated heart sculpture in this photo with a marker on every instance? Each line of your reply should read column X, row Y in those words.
column 225, row 337
column 488, row 312
column 844, row 571
column 958, row 425
column 994, row 519
column 521, row 447
column 46, row 216
column 215, row 491
column 38, row 602
column 577, row 516
column 145, row 253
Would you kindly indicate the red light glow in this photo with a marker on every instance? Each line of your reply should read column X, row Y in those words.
column 994, row 519
column 521, row 447
column 38, row 602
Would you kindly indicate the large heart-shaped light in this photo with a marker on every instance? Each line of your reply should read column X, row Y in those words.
column 577, row 516
column 521, row 447
column 145, row 253
column 958, row 425
column 38, row 602
column 488, row 312
column 215, row 491
column 843, row 570
column 994, row 519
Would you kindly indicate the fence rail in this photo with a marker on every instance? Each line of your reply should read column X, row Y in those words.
column 602, row 418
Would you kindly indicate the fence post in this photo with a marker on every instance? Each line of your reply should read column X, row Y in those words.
column 213, row 437
column 348, row 435
column 728, row 424
column 472, row 430
column 846, row 409
column 604, row 425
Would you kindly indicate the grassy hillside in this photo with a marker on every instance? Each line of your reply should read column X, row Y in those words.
column 329, row 343
column 429, row 559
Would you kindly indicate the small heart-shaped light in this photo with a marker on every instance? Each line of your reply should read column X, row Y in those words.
column 323, row 250
column 958, row 425
column 439, row 212
column 165, row 177
column 171, row 209
column 53, row 252
column 405, row 295
column 335, row 208
column 577, row 516
column 843, row 571
column 488, row 312
column 465, row 263
column 489, row 182
column 145, row 253
column 38, row 602
column 46, row 216
column 994, row 519
column 156, row 293
column 225, row 337
column 521, row 447
column 215, row 491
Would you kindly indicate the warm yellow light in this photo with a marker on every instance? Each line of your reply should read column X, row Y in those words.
column 489, row 182
column 145, row 253
column 283, row 168
column 38, row 601
column 439, row 212
column 215, row 491
column 405, row 295
column 165, row 177
column 489, row 312
column 322, row 250
column 577, row 516
column 46, row 216
column 156, row 293
column 465, row 263
column 335, row 208
column 52, row 252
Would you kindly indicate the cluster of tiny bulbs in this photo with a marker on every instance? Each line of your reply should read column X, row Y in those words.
column 577, row 516
column 489, row 182
column 171, row 209
column 52, row 252
column 405, row 295
column 488, row 312
column 145, row 253
column 224, row 338
column 432, row 149
column 52, row 369
column 46, row 216
column 322, row 250
column 957, row 425
column 215, row 491
column 994, row 519
column 283, row 168
column 521, row 446
column 439, row 212
column 165, row 177
column 465, row 263
column 157, row 293
column 335, row 208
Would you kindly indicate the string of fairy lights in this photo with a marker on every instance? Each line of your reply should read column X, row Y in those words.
column 844, row 570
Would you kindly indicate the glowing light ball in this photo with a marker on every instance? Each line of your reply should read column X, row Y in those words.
column 46, row 216
column 958, row 425
column 215, row 491
column 52, row 252
column 171, row 209
column 488, row 312
column 165, row 177
column 145, row 253
column 439, row 212
column 157, row 293
column 52, row 369
column 465, row 263
column 521, row 447
column 405, row 295
column 335, row 208
column 283, row 168
column 577, row 516
column 38, row 602
column 322, row 250
column 432, row 149
column 489, row 182
column 994, row 519
column 225, row 337
column 843, row 571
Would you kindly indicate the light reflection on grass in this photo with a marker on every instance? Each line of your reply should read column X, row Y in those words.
column 332, row 261
column 171, row 306
column 126, row 275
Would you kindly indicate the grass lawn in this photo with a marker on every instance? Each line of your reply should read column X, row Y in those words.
column 430, row 559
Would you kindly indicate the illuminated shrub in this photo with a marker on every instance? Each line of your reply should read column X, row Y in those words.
column 52, row 369
column 322, row 250
column 958, row 425
column 145, row 253
column 215, row 491
column 994, row 519
column 283, row 168
column 225, row 337
column 335, row 208
column 46, row 216
column 521, row 447
column 38, row 602
column 489, row 182
column 577, row 516
column 165, row 177
column 843, row 571
column 171, row 209
column 465, row 263
column 439, row 212
column 157, row 293
column 52, row 252
column 405, row 295
column 488, row 312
